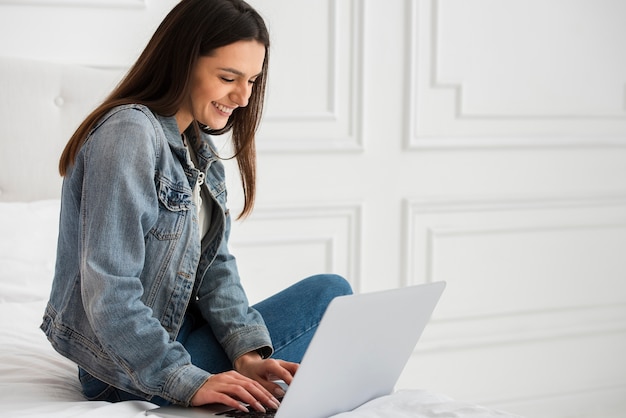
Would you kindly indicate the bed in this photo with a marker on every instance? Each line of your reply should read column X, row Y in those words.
column 40, row 105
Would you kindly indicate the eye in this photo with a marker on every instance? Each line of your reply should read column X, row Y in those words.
column 227, row 80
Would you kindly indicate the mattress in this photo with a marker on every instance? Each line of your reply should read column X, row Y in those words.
column 37, row 382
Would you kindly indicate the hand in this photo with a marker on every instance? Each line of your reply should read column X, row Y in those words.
column 266, row 371
column 231, row 388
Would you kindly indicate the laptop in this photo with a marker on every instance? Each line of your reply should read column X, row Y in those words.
column 357, row 354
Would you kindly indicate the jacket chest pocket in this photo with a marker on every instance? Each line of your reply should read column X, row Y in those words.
column 174, row 204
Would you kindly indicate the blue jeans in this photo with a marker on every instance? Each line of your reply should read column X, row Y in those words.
column 291, row 316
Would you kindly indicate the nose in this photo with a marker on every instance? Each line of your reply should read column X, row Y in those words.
column 241, row 93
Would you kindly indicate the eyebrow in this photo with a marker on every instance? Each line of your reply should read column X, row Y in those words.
column 237, row 72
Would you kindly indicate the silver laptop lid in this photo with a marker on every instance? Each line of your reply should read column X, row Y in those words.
column 359, row 350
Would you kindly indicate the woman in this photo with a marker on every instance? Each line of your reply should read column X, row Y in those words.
column 146, row 297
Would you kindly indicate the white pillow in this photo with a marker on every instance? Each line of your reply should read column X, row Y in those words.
column 28, row 238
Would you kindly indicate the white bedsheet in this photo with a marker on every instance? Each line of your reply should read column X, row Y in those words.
column 37, row 382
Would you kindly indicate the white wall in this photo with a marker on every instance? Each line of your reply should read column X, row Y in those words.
column 481, row 142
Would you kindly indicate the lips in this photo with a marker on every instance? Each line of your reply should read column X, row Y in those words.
column 224, row 109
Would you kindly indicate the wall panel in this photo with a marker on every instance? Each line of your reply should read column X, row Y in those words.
column 502, row 245
column 314, row 91
column 517, row 73
column 282, row 245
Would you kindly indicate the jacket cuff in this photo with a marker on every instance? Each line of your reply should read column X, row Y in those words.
column 184, row 384
column 251, row 338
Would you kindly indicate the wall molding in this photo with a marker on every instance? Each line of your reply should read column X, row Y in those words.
column 414, row 207
column 339, row 126
column 496, row 326
column 522, row 327
column 104, row 4
column 459, row 129
column 340, row 235
column 459, row 87
column 328, row 243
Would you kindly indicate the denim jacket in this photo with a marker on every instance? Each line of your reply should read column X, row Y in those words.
column 130, row 261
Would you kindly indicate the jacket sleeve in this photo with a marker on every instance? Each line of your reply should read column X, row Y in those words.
column 119, row 206
column 224, row 305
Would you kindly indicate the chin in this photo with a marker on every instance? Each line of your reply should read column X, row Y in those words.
column 214, row 125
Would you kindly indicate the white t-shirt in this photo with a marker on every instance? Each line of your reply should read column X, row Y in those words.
column 200, row 193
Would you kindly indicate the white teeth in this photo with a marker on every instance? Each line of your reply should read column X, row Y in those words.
column 224, row 109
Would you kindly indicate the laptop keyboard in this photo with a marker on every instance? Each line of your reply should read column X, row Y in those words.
column 241, row 414
column 269, row 413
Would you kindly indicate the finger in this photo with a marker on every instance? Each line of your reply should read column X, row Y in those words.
column 232, row 388
column 227, row 400
column 291, row 367
column 277, row 389
column 281, row 370
column 265, row 397
column 215, row 391
column 254, row 394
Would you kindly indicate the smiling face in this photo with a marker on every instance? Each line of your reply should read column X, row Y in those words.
column 221, row 83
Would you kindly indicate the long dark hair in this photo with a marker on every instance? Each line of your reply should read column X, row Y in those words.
column 160, row 79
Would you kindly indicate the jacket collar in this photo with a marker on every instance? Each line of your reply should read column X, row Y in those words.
column 170, row 128
column 203, row 146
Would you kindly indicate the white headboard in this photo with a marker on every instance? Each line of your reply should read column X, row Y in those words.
column 41, row 104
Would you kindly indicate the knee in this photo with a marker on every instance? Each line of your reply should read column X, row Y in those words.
column 329, row 286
